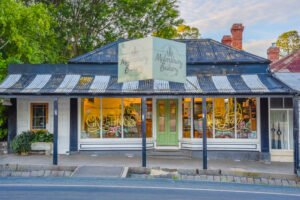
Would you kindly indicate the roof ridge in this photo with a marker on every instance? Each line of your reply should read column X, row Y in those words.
column 106, row 46
column 239, row 50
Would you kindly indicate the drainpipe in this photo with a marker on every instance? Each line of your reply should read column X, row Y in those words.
column 296, row 134
column 144, row 110
column 204, row 143
column 55, row 130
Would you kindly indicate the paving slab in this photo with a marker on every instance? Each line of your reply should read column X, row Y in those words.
column 98, row 171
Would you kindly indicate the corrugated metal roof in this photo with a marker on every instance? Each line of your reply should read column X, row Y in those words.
column 198, row 51
column 74, row 84
column 290, row 79
column 290, row 63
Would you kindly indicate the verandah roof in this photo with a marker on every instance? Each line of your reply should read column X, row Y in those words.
column 78, row 84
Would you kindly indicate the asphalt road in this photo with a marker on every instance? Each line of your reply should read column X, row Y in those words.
column 99, row 188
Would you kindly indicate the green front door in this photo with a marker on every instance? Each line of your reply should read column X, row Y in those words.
column 167, row 122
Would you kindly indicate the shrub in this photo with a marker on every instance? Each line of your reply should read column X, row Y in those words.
column 42, row 136
column 22, row 143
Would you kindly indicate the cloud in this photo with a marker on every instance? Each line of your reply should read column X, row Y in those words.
column 258, row 47
column 264, row 20
column 212, row 15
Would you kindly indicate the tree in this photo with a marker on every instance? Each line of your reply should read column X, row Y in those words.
column 187, row 32
column 289, row 42
column 26, row 36
column 87, row 24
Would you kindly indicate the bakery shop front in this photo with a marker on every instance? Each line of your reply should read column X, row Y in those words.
column 158, row 94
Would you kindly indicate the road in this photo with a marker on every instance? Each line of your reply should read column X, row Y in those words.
column 130, row 189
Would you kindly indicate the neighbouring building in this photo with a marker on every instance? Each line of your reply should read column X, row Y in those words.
column 100, row 109
column 287, row 70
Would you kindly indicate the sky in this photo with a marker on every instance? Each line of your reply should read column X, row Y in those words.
column 264, row 20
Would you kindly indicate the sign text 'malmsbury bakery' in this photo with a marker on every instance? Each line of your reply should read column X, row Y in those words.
column 152, row 58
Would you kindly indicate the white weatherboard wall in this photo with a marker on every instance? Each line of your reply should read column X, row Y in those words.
column 23, row 119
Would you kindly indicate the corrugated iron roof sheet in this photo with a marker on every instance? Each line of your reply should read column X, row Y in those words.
column 198, row 51
column 76, row 84
column 290, row 63
column 290, row 79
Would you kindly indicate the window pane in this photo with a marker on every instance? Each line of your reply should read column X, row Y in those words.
column 111, row 116
column 198, row 128
column 39, row 116
column 186, row 117
column 288, row 103
column 279, row 129
column 224, row 117
column 276, row 102
column 291, row 129
column 246, row 117
column 90, row 118
column 132, row 117
column 149, row 118
column 161, row 116
column 173, row 116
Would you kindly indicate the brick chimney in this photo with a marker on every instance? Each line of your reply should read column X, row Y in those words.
column 237, row 36
column 227, row 40
column 273, row 53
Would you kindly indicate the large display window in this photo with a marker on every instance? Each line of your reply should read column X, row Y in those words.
column 227, row 118
column 90, row 118
column 198, row 118
column 246, row 118
column 224, row 117
column 114, row 118
column 132, row 117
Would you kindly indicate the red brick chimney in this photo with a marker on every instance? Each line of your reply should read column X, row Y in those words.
column 237, row 36
column 227, row 40
column 273, row 53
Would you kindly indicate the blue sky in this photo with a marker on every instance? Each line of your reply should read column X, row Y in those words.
column 264, row 20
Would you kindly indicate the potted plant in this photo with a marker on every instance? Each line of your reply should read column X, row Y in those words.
column 42, row 140
column 21, row 143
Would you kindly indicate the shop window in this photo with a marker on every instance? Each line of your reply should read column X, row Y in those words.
column 132, row 117
column 186, row 117
column 198, row 118
column 224, row 117
column 246, row 118
column 112, row 118
column 39, row 116
column 90, row 118
column 149, row 118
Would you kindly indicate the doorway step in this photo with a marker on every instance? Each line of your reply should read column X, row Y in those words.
column 169, row 154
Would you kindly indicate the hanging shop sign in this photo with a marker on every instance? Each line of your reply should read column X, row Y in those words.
column 152, row 58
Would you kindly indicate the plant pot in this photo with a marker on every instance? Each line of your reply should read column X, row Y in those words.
column 42, row 146
column 24, row 153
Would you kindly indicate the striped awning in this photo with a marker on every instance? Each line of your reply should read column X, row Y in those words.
column 69, row 84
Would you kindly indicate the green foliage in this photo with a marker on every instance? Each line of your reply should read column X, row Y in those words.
column 289, row 42
column 22, row 143
column 3, row 123
column 84, row 25
column 41, row 136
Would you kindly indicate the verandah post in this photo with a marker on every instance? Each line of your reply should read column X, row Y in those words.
column 144, row 110
column 296, row 135
column 204, row 143
column 55, row 130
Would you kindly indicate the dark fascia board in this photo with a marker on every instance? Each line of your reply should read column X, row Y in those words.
column 107, row 69
column 112, row 69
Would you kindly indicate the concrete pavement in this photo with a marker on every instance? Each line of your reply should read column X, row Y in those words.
column 135, row 161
